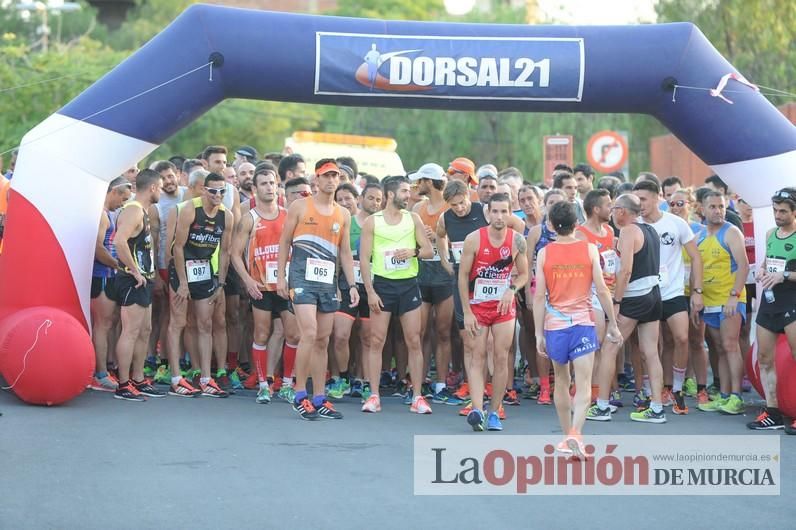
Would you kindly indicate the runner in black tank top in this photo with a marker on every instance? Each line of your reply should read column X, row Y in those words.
column 134, row 285
column 639, row 304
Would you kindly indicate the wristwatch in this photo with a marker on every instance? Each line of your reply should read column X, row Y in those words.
column 697, row 290
column 786, row 275
column 513, row 288
column 734, row 293
column 417, row 252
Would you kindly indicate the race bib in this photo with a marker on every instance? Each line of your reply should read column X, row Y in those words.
column 775, row 265
column 488, row 289
column 435, row 257
column 456, row 250
column 610, row 260
column 687, row 274
column 319, row 270
column 357, row 272
column 270, row 272
column 663, row 276
column 750, row 278
column 713, row 309
column 391, row 263
column 197, row 270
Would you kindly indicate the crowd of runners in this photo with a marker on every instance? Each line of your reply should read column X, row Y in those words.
column 466, row 287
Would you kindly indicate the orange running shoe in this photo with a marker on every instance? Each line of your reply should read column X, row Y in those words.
column 544, row 397
column 420, row 405
column 679, row 406
column 667, row 398
column 183, row 389
column 501, row 413
column 488, row 391
column 511, row 398
column 373, row 404
column 467, row 409
column 463, row 392
column 211, row 389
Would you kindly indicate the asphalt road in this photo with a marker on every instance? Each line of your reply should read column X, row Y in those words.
column 177, row 463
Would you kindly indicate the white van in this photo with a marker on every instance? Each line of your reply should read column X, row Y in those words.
column 373, row 154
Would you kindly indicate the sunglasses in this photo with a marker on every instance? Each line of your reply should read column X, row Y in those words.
column 783, row 195
column 303, row 193
column 216, row 191
column 678, row 204
column 452, row 171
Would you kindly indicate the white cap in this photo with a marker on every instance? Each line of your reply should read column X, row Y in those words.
column 430, row 171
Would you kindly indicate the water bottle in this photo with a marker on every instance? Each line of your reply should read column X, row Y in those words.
column 769, row 294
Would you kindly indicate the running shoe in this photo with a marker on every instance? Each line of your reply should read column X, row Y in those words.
column 420, row 405
column 501, row 412
column 488, row 391
column 648, row 416
column 446, row 397
column 163, row 375
column 766, row 422
column 544, row 397
column 667, row 397
column 467, row 409
column 241, row 373
column 615, row 399
column 563, row 447
column 463, row 392
column 104, row 384
column 712, row 406
column 641, row 401
column 733, row 405
column 305, row 409
column 714, row 392
column 690, row 387
column 408, row 397
column 251, row 382
column 327, row 412
column 453, row 379
column 493, row 422
column 287, row 394
column 150, row 366
column 511, row 398
column 426, row 390
column 366, row 391
column 679, row 406
column 263, row 395
column 702, row 397
column 597, row 414
column 211, row 389
column 128, row 392
column 401, row 389
column 234, row 379
column 790, row 427
column 386, row 380
column 575, row 445
column 194, row 377
column 145, row 388
column 183, row 389
column 476, row 420
column 746, row 385
column 222, row 380
column 356, row 388
column 532, row 392
column 626, row 384
column 336, row 390
column 373, row 404
column 346, row 386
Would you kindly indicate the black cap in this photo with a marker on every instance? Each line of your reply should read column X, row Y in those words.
column 247, row 151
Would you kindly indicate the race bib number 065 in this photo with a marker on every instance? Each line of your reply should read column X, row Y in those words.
column 319, row 270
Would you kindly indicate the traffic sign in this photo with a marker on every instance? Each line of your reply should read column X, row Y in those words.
column 607, row 151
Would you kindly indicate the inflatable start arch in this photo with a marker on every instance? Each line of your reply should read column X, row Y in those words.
column 65, row 163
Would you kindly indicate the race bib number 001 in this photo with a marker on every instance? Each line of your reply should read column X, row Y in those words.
column 197, row 270
column 391, row 263
column 487, row 289
column 319, row 270
column 456, row 250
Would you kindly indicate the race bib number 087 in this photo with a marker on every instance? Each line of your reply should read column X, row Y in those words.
column 197, row 270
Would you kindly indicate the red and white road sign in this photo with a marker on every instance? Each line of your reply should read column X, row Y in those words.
column 607, row 151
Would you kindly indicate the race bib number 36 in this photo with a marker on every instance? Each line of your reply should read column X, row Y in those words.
column 197, row 270
column 319, row 270
column 774, row 265
column 486, row 289
column 391, row 263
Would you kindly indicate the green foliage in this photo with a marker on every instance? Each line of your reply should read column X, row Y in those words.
column 758, row 37
column 145, row 21
column 391, row 9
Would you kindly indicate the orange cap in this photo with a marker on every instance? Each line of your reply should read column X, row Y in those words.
column 463, row 165
column 328, row 166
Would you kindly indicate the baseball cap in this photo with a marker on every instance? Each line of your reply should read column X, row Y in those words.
column 430, row 171
column 463, row 165
column 486, row 170
column 247, row 151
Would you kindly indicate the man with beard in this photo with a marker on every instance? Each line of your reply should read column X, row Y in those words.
column 389, row 247
column 245, row 181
